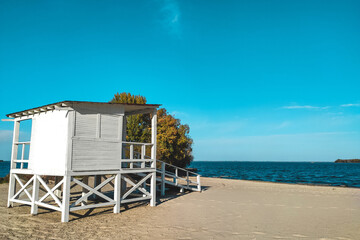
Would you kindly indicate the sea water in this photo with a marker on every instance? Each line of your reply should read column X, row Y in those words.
column 4, row 168
column 317, row 173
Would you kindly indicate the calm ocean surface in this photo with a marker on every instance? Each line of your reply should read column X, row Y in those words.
column 4, row 168
column 331, row 174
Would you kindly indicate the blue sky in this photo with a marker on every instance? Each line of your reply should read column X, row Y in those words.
column 255, row 80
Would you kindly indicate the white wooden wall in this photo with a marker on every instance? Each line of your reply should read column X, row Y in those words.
column 96, row 144
column 48, row 147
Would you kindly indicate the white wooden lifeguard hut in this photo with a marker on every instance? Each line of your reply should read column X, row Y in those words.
column 72, row 141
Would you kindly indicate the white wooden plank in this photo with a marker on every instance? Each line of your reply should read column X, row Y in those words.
column 109, row 127
column 21, row 201
column 85, row 124
column 135, row 199
column 48, row 206
column 90, row 155
column 92, row 206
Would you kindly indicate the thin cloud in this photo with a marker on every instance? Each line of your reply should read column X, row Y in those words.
column 171, row 16
column 351, row 105
column 304, row 107
column 5, row 135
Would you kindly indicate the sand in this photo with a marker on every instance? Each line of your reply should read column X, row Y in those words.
column 226, row 209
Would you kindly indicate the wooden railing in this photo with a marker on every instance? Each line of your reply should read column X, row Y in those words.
column 180, row 177
column 136, row 159
column 22, row 161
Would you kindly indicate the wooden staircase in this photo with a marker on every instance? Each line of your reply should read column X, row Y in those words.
column 170, row 176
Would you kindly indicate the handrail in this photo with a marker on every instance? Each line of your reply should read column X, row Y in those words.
column 19, row 143
column 183, row 169
column 170, row 174
column 138, row 143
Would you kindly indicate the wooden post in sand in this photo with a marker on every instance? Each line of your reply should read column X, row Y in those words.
column 14, row 152
column 198, row 183
column 117, row 193
column 35, row 195
column 66, row 199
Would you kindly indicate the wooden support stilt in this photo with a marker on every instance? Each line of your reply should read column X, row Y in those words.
column 14, row 152
column 117, row 193
column 11, row 190
column 35, row 195
column 66, row 199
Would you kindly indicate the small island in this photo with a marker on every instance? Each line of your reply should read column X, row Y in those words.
column 347, row 161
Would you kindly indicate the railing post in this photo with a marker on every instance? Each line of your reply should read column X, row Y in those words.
column 143, row 155
column 22, row 155
column 162, row 179
column 187, row 178
column 176, row 176
column 198, row 183
column 131, row 155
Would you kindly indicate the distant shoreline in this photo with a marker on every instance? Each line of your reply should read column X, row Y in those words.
column 347, row 161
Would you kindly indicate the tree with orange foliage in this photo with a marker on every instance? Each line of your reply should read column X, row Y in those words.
column 174, row 145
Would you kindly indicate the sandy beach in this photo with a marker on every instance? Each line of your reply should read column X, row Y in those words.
column 226, row 209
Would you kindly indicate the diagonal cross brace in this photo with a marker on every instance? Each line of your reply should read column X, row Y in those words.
column 141, row 189
column 23, row 187
column 93, row 190
column 135, row 186
column 52, row 190
column 49, row 191
column 109, row 182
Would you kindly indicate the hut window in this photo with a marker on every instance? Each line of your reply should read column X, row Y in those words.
column 109, row 126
